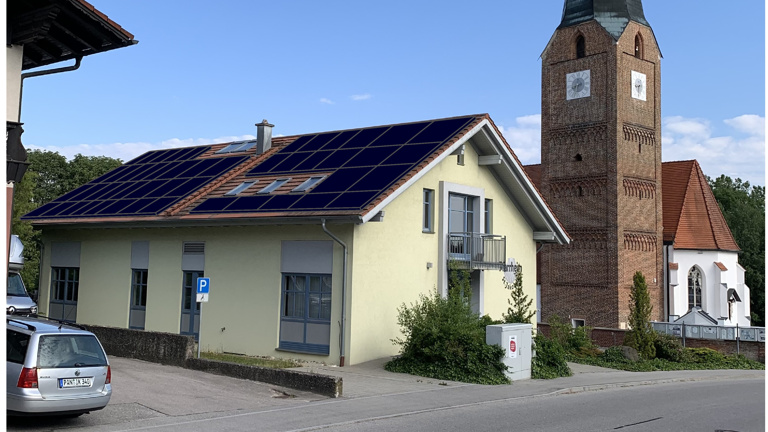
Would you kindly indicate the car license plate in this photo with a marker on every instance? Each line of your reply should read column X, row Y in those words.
column 75, row 382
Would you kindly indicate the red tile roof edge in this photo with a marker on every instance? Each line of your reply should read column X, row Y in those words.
column 103, row 16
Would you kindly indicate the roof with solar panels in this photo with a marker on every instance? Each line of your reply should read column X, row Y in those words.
column 349, row 174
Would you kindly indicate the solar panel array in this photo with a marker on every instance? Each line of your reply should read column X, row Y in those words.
column 362, row 164
column 144, row 186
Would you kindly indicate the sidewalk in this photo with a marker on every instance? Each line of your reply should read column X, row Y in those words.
column 370, row 379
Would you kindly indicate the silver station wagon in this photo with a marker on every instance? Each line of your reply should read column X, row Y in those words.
column 54, row 368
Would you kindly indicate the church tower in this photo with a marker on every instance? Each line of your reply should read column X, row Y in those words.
column 601, row 161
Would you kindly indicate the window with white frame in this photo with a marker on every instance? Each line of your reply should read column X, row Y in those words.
column 308, row 183
column 274, row 185
column 428, row 220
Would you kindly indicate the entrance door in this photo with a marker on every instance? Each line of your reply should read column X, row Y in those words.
column 65, row 283
column 190, row 309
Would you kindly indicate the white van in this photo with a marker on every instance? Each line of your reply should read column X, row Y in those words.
column 18, row 300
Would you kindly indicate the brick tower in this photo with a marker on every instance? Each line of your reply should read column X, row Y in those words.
column 601, row 161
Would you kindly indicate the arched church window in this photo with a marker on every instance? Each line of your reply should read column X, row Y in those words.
column 639, row 46
column 581, row 47
column 694, row 288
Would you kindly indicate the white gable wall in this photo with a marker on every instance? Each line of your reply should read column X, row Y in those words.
column 715, row 284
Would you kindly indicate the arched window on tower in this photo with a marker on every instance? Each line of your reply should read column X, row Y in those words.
column 581, row 47
column 694, row 288
column 638, row 46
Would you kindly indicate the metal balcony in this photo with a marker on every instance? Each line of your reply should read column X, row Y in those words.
column 475, row 251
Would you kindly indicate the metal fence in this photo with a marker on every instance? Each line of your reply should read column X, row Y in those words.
column 698, row 331
column 478, row 251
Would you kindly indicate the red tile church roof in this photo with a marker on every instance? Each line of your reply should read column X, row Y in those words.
column 692, row 218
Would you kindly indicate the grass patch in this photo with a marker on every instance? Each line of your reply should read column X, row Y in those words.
column 272, row 363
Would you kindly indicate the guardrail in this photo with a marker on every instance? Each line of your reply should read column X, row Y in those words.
column 478, row 251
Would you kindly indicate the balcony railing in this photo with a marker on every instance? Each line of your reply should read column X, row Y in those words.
column 475, row 251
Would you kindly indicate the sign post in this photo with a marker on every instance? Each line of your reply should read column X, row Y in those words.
column 203, row 289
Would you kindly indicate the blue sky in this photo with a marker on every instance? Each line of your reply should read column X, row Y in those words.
column 207, row 71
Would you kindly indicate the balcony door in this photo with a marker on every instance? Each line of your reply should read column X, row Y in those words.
column 461, row 221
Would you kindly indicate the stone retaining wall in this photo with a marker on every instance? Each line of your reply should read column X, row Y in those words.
column 177, row 350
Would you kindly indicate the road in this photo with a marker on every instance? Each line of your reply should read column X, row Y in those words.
column 151, row 397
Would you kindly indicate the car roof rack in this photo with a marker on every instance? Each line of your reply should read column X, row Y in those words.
column 61, row 322
column 20, row 323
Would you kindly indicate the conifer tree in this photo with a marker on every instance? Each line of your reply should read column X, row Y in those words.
column 641, row 335
column 519, row 310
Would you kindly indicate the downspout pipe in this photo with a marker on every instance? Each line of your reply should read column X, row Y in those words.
column 343, row 291
column 75, row 66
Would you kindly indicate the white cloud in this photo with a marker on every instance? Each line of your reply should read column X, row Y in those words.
column 360, row 97
column 326, row 101
column 748, row 123
column 525, row 138
column 128, row 151
column 738, row 153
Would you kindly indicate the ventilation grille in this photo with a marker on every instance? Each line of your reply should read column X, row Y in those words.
column 194, row 248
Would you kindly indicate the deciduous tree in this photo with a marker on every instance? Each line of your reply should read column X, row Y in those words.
column 743, row 207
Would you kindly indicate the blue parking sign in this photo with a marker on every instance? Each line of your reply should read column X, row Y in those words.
column 203, row 285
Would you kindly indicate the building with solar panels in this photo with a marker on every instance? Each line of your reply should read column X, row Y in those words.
column 310, row 242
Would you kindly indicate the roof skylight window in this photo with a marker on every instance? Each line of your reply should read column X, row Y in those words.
column 308, row 184
column 237, row 147
column 274, row 185
column 242, row 187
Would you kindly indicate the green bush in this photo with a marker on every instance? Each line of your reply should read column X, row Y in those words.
column 444, row 339
column 704, row 355
column 550, row 359
column 668, row 347
column 577, row 342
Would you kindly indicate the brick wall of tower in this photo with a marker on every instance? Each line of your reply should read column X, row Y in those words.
column 601, row 174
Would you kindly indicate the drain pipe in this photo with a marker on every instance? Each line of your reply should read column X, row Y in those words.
column 75, row 66
column 343, row 291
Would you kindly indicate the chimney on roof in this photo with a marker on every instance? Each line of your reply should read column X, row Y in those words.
column 263, row 136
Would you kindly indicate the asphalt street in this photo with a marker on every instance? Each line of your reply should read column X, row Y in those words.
column 148, row 396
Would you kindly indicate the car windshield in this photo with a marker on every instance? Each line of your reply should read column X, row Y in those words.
column 16, row 286
column 70, row 351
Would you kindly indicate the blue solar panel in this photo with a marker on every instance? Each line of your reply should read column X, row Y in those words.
column 441, row 130
column 248, row 203
column 411, row 153
column 280, row 202
column 337, row 159
column 381, row 177
column 314, row 201
column 358, row 164
column 268, row 164
column 313, row 160
column 340, row 180
column 317, row 142
column 370, row 156
column 147, row 185
column 399, row 134
column 291, row 161
column 353, row 200
column 213, row 205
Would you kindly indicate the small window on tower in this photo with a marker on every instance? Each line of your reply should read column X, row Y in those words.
column 578, row 157
column 581, row 47
column 639, row 46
